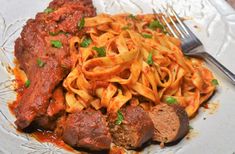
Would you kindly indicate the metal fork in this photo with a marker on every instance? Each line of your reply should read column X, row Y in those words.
column 191, row 45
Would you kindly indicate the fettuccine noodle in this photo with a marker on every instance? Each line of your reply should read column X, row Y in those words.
column 133, row 64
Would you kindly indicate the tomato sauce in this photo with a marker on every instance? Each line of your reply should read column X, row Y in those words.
column 43, row 135
column 19, row 88
column 48, row 136
column 39, row 135
column 205, row 105
column 117, row 150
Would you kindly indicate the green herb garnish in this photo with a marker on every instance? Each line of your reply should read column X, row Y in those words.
column 190, row 127
column 125, row 27
column 86, row 42
column 57, row 33
column 56, row 44
column 132, row 17
column 48, row 10
column 150, row 59
column 156, row 24
column 53, row 33
column 100, row 51
column 81, row 23
column 171, row 100
column 215, row 82
column 64, row 66
column 147, row 35
column 187, row 57
column 120, row 118
column 27, row 83
column 40, row 62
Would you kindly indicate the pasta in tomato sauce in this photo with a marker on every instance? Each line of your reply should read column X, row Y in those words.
column 122, row 59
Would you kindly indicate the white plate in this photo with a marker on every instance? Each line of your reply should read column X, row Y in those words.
column 215, row 21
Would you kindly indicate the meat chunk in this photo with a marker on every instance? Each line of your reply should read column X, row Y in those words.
column 135, row 129
column 35, row 43
column 87, row 129
column 57, row 102
column 45, row 123
column 171, row 122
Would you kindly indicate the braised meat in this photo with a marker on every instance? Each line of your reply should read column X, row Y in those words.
column 171, row 122
column 55, row 109
column 135, row 129
column 57, row 103
column 43, row 52
column 87, row 129
column 35, row 44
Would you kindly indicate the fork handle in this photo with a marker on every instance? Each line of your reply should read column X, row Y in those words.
column 221, row 67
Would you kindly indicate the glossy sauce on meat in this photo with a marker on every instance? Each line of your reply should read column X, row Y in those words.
column 35, row 43
column 42, row 103
column 136, row 128
column 19, row 88
column 88, row 129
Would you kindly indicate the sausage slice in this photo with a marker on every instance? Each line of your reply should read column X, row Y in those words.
column 171, row 122
column 87, row 129
column 135, row 129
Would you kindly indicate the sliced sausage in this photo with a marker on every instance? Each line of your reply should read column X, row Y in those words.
column 87, row 129
column 135, row 129
column 171, row 122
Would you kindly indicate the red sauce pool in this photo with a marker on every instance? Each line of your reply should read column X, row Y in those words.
column 48, row 136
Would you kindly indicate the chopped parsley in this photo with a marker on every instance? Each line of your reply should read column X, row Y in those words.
column 81, row 23
column 215, row 82
column 57, row 33
column 56, row 44
column 120, row 118
column 171, row 100
column 101, row 51
column 86, row 42
column 187, row 57
column 40, row 62
column 150, row 59
column 147, row 35
column 64, row 66
column 53, row 33
column 27, row 83
column 156, row 24
column 125, row 27
column 48, row 10
column 131, row 16
column 190, row 127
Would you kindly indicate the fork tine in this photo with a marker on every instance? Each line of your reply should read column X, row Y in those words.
column 156, row 16
column 168, row 25
column 179, row 21
column 173, row 22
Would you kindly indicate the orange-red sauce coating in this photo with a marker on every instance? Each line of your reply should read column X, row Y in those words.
column 40, row 135
column 48, row 136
